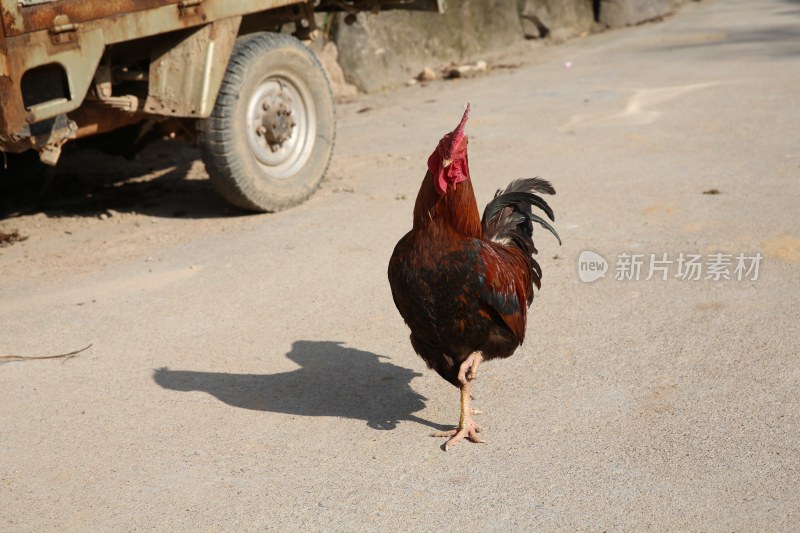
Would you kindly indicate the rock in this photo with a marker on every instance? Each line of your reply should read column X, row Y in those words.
column 385, row 50
column 620, row 13
column 459, row 71
column 427, row 74
column 556, row 19
column 535, row 18
column 328, row 56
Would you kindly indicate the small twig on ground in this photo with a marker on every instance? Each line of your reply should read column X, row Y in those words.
column 12, row 358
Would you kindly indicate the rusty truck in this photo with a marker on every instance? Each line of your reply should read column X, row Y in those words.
column 235, row 74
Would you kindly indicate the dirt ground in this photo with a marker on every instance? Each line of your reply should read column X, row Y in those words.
column 250, row 372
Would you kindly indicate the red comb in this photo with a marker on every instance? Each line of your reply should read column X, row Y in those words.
column 458, row 133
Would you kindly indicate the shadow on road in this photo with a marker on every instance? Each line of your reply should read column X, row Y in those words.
column 333, row 381
column 165, row 180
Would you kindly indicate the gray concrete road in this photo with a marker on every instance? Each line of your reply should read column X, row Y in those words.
column 251, row 373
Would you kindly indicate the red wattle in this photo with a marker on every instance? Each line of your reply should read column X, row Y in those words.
column 440, row 182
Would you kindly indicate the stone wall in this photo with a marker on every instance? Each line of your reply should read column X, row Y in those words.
column 386, row 50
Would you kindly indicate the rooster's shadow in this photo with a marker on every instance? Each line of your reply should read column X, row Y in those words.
column 332, row 380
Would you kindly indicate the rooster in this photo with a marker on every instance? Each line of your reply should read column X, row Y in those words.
column 463, row 283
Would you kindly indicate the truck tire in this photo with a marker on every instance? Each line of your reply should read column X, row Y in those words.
column 269, row 139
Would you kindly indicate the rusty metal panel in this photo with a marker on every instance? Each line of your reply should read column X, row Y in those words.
column 94, row 117
column 25, row 19
column 79, row 59
column 172, row 17
column 4, row 67
column 12, row 112
column 176, row 90
column 9, row 10
column 129, row 19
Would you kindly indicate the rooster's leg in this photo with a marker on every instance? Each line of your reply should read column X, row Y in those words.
column 466, row 425
column 469, row 368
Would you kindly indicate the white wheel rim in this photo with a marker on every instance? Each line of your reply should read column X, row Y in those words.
column 281, row 125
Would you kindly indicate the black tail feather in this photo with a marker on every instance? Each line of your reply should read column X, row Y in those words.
column 508, row 218
column 518, row 196
column 545, row 225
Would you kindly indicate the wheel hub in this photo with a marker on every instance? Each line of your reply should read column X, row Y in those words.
column 277, row 118
column 281, row 125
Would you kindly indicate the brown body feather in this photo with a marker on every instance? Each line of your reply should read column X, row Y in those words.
column 458, row 290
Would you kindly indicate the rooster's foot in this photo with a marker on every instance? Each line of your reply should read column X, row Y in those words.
column 470, row 431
